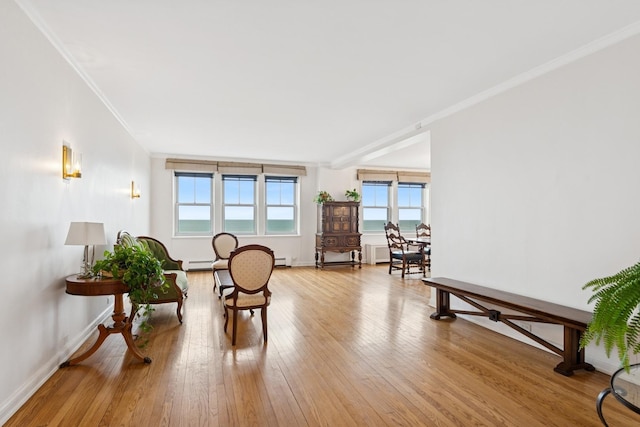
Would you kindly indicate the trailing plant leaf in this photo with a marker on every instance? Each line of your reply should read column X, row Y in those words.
column 616, row 320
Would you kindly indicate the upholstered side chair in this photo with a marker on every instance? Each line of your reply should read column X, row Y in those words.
column 250, row 268
column 223, row 244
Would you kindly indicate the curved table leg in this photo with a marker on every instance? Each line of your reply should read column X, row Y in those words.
column 599, row 401
column 104, row 333
column 121, row 325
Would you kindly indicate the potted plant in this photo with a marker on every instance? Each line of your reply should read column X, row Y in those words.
column 140, row 270
column 322, row 197
column 352, row 195
column 616, row 320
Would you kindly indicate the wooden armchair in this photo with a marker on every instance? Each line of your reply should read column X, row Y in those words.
column 423, row 231
column 400, row 256
column 173, row 272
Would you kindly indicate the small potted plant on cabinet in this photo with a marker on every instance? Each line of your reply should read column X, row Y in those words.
column 616, row 319
column 352, row 195
column 322, row 197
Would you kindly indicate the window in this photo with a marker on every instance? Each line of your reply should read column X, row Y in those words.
column 239, row 195
column 375, row 205
column 194, row 209
column 410, row 206
column 280, row 201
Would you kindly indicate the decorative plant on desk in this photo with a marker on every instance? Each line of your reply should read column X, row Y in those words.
column 141, row 271
column 616, row 319
column 322, row 197
column 352, row 195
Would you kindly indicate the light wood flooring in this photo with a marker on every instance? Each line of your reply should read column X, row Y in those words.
column 346, row 348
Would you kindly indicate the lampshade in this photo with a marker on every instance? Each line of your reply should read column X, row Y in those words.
column 86, row 233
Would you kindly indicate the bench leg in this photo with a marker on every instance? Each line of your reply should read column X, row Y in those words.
column 442, row 305
column 572, row 354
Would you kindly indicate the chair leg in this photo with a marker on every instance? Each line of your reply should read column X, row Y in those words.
column 180, row 311
column 226, row 318
column 264, row 323
column 235, row 326
column 404, row 267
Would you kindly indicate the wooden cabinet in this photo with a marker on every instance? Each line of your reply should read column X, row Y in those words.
column 338, row 232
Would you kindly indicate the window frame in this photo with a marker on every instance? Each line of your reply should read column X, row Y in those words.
column 178, row 204
column 421, row 208
column 293, row 206
column 388, row 206
column 223, row 208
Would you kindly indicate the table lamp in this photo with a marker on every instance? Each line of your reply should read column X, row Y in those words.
column 85, row 234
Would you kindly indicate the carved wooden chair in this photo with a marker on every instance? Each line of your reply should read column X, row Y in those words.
column 424, row 231
column 250, row 268
column 223, row 244
column 401, row 257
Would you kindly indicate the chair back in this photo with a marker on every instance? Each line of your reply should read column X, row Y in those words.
column 223, row 244
column 250, row 268
column 394, row 238
column 423, row 230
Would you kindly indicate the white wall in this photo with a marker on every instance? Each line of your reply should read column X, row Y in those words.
column 535, row 191
column 42, row 103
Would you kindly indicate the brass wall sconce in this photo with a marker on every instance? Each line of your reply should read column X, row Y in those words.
column 135, row 192
column 71, row 164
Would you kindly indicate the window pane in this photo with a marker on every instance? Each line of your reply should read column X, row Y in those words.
column 280, row 219
column 202, row 190
column 410, row 195
column 186, row 186
column 246, row 196
column 374, row 219
column 194, row 219
column 280, row 193
column 239, row 219
column 409, row 218
column 375, row 194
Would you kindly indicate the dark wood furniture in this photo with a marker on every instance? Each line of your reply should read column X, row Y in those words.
column 401, row 257
column 338, row 232
column 121, row 323
column 528, row 309
column 250, row 268
column 625, row 386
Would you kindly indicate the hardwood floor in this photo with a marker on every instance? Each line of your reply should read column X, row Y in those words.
column 346, row 347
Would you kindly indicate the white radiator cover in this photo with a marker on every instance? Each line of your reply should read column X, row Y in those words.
column 283, row 261
column 376, row 253
column 195, row 265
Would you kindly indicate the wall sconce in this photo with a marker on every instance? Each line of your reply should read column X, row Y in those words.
column 135, row 192
column 71, row 164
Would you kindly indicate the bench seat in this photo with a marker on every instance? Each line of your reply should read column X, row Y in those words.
column 573, row 320
column 223, row 280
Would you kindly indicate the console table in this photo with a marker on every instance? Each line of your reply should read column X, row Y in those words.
column 121, row 323
column 625, row 387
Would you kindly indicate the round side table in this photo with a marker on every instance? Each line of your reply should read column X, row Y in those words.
column 625, row 387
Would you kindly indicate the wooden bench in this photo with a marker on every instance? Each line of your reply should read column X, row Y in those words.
column 573, row 320
column 223, row 280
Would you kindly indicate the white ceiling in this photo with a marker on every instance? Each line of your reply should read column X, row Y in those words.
column 334, row 82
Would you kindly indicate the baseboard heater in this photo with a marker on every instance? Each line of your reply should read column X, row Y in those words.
column 200, row 265
column 283, row 261
column 376, row 253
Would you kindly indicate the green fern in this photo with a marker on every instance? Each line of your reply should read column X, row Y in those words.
column 616, row 320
